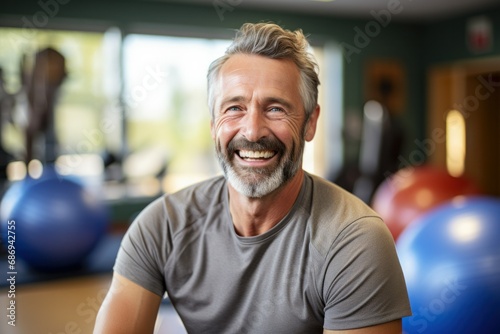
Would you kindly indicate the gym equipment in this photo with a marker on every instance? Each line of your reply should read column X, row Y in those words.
column 379, row 149
column 412, row 191
column 451, row 262
column 41, row 84
column 58, row 222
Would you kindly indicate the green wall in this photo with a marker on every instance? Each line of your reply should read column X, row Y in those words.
column 445, row 41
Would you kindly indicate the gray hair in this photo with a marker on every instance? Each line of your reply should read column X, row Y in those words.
column 272, row 41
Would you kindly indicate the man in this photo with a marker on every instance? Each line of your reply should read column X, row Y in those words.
column 268, row 248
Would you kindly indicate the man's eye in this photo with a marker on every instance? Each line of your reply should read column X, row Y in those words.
column 233, row 108
column 276, row 109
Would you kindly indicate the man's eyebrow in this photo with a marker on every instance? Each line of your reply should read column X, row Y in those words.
column 283, row 102
column 232, row 99
column 267, row 101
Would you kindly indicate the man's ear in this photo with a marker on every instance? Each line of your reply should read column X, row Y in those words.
column 311, row 124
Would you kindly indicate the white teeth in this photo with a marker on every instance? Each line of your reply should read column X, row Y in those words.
column 256, row 154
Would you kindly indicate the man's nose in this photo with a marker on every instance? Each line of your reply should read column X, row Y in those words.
column 255, row 125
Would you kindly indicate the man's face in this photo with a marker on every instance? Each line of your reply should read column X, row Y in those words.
column 259, row 124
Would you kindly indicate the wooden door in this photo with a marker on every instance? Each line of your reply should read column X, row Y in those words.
column 473, row 88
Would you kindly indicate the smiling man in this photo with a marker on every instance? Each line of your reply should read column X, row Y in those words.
column 267, row 248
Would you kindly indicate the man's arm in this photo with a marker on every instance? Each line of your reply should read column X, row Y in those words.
column 127, row 309
column 392, row 327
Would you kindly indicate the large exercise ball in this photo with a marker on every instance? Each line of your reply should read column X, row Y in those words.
column 451, row 262
column 53, row 222
column 410, row 192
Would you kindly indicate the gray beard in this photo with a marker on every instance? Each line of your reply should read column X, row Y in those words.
column 259, row 182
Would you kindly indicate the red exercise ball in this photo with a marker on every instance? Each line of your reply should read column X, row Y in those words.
column 412, row 191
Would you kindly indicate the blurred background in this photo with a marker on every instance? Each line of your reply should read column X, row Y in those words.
column 113, row 94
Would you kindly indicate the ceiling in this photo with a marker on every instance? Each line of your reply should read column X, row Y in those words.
column 408, row 10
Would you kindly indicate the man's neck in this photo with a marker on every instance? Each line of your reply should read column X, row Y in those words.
column 255, row 216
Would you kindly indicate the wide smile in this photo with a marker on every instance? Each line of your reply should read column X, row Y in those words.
column 255, row 155
column 265, row 153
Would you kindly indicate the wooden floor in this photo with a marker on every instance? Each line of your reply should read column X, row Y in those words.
column 67, row 307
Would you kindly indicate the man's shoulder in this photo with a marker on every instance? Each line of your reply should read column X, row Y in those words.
column 198, row 198
column 333, row 210
column 329, row 197
column 200, row 190
column 191, row 201
column 178, row 210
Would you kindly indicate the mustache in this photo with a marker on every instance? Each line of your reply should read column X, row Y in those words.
column 263, row 144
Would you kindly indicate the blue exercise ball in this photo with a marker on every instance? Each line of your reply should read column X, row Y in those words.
column 58, row 222
column 451, row 262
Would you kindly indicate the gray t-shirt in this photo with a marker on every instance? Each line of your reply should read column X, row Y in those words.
column 330, row 263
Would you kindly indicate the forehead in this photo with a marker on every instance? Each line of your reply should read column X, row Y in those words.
column 254, row 71
column 256, row 62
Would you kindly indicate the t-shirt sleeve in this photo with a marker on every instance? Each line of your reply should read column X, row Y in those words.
column 144, row 248
column 364, row 284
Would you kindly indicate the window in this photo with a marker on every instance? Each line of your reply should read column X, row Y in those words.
column 167, row 112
